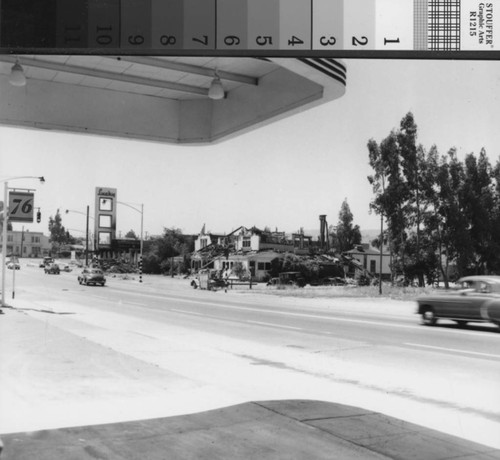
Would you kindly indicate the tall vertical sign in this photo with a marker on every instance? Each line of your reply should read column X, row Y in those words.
column 105, row 217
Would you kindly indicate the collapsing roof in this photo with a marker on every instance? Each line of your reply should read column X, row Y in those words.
column 164, row 99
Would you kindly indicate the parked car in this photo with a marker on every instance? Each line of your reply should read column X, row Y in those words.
column 208, row 279
column 93, row 276
column 52, row 269
column 330, row 281
column 13, row 266
column 273, row 282
column 292, row 279
column 477, row 299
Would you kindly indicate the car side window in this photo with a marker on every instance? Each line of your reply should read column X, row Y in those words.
column 484, row 287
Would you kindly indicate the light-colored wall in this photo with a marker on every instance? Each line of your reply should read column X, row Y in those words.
column 386, row 270
column 30, row 248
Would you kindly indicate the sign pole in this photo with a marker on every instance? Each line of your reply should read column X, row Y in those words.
column 142, row 225
column 4, row 237
column 14, row 281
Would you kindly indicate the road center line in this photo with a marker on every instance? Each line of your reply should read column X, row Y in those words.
column 286, row 313
column 309, row 315
column 134, row 303
column 274, row 325
column 187, row 312
column 454, row 350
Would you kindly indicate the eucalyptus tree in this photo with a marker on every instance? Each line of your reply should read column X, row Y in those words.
column 59, row 236
column 496, row 214
column 346, row 235
column 478, row 194
column 391, row 193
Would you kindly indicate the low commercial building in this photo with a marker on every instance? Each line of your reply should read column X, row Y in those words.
column 368, row 260
column 26, row 244
column 247, row 250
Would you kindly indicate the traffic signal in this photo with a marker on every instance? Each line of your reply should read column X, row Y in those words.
column 38, row 217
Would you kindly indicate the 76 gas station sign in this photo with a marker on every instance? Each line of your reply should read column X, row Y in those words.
column 21, row 206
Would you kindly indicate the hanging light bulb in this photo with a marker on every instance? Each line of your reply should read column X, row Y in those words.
column 17, row 77
column 216, row 90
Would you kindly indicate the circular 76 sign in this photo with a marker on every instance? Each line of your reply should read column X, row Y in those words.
column 21, row 206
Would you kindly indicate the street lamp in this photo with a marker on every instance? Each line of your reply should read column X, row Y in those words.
column 86, row 233
column 141, row 212
column 5, row 223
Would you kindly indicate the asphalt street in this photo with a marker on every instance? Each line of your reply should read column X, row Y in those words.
column 218, row 349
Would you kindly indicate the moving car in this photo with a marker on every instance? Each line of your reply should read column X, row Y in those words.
column 46, row 261
column 13, row 266
column 477, row 299
column 93, row 276
column 64, row 267
column 52, row 269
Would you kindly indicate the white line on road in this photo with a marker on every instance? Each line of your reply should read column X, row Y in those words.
column 314, row 316
column 187, row 312
column 134, row 303
column 261, row 323
column 275, row 325
column 454, row 350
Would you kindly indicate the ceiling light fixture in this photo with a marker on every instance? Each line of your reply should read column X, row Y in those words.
column 216, row 90
column 17, row 77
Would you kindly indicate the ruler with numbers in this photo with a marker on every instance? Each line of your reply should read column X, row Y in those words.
column 249, row 27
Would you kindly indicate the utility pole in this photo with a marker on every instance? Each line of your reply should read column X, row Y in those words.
column 87, row 240
column 381, row 249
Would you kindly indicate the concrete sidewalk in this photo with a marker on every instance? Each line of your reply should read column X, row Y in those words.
column 257, row 430
column 38, row 362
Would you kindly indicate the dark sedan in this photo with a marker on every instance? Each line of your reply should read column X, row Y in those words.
column 52, row 269
column 477, row 299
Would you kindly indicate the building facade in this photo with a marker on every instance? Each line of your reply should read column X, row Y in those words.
column 369, row 259
column 26, row 244
column 247, row 250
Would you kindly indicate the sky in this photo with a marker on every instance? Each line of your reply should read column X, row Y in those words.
column 281, row 176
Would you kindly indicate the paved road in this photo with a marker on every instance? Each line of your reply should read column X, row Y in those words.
column 239, row 347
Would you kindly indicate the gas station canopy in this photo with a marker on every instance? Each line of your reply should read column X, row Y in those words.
column 163, row 99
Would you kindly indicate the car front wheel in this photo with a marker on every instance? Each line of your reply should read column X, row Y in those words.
column 428, row 317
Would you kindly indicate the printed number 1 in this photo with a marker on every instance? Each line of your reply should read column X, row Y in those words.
column 394, row 40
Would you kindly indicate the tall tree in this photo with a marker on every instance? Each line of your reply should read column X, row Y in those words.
column 479, row 209
column 131, row 234
column 346, row 235
column 58, row 234
column 391, row 193
column 159, row 251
